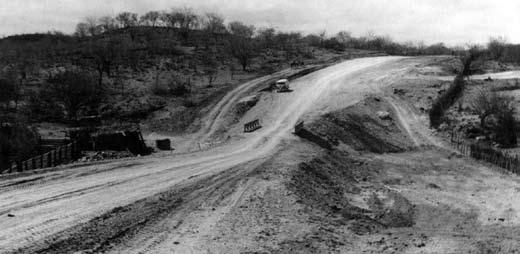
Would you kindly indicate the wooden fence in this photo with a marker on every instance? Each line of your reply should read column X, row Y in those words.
column 252, row 126
column 61, row 155
column 487, row 153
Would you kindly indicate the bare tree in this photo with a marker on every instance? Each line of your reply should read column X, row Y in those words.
column 267, row 36
column 241, row 43
column 107, row 23
column 512, row 54
column 213, row 25
column 151, row 18
column 171, row 19
column 486, row 103
column 93, row 27
column 344, row 37
column 127, row 19
column 496, row 47
column 75, row 91
column 323, row 35
column 81, row 30
column 210, row 66
column 239, row 29
column 104, row 54
column 11, row 92
column 187, row 20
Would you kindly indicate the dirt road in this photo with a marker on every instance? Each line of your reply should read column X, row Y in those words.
column 42, row 205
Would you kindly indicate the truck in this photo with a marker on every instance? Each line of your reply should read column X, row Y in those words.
column 282, row 85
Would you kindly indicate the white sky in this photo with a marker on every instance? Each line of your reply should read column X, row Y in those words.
column 451, row 21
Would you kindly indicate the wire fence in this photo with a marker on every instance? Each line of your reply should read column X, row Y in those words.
column 61, row 155
column 486, row 153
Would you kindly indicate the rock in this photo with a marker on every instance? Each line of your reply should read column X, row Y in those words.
column 383, row 115
column 443, row 127
column 335, row 208
column 399, row 91
column 10, row 215
column 433, row 186
column 480, row 138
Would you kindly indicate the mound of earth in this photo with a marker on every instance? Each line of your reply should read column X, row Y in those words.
column 366, row 126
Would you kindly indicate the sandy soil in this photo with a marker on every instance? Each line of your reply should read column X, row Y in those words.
column 271, row 192
column 62, row 199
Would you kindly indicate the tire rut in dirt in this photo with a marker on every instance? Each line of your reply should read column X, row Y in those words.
column 122, row 223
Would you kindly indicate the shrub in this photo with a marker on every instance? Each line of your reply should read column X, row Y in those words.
column 487, row 103
column 74, row 91
column 455, row 91
column 178, row 88
column 174, row 86
column 445, row 100
column 505, row 130
column 17, row 142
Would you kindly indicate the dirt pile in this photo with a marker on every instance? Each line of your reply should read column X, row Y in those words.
column 330, row 184
column 362, row 128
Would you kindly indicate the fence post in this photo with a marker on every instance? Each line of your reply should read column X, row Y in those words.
column 73, row 151
column 54, row 158
column 70, row 152
column 78, row 150
column 49, row 159
column 41, row 161
column 60, row 158
column 33, row 163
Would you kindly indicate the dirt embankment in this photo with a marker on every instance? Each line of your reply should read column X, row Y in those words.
column 368, row 126
column 400, row 200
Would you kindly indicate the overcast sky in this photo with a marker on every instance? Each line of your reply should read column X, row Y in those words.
column 451, row 21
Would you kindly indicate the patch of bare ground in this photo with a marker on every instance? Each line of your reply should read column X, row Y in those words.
column 115, row 227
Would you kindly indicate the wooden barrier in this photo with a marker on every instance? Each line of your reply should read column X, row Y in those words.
column 61, row 155
column 252, row 126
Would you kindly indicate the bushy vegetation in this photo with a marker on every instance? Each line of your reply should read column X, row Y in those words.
column 17, row 139
column 17, row 142
column 499, row 49
column 499, row 108
column 454, row 92
column 446, row 100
